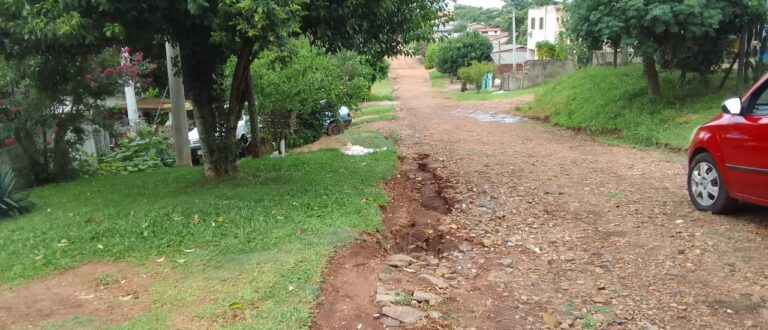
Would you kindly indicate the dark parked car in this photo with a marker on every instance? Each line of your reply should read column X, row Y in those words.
column 728, row 156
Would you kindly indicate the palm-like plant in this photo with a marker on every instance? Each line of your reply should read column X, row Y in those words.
column 12, row 202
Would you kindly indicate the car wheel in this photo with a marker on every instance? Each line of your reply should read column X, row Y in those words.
column 706, row 187
column 334, row 129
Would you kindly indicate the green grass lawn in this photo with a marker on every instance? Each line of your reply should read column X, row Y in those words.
column 472, row 95
column 381, row 91
column 613, row 102
column 374, row 114
column 258, row 242
column 375, row 110
column 386, row 116
column 439, row 80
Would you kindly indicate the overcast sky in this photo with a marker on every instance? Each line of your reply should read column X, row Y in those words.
column 482, row 3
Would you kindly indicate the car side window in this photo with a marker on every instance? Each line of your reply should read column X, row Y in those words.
column 761, row 106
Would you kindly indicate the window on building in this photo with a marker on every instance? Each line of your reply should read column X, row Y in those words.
column 541, row 23
column 533, row 23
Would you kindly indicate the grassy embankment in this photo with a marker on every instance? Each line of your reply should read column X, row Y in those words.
column 258, row 242
column 613, row 103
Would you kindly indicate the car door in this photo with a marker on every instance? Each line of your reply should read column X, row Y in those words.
column 746, row 148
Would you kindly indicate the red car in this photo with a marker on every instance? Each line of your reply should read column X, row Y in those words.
column 728, row 156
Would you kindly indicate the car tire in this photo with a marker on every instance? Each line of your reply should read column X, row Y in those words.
column 706, row 188
column 334, row 129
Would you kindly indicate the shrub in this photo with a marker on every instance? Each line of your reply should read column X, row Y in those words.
column 12, row 202
column 546, row 50
column 459, row 52
column 142, row 151
column 430, row 56
column 309, row 81
column 475, row 72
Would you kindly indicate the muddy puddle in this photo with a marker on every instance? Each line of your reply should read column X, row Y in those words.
column 489, row 116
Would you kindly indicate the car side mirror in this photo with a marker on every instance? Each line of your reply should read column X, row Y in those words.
column 732, row 106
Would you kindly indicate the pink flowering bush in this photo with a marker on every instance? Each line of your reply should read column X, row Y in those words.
column 117, row 68
column 33, row 120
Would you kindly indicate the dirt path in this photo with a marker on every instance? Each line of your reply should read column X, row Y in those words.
column 557, row 230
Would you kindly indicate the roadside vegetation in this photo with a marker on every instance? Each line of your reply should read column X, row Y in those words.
column 439, row 80
column 381, row 91
column 614, row 103
column 256, row 243
column 374, row 114
column 442, row 81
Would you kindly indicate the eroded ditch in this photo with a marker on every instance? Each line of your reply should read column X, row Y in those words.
column 417, row 204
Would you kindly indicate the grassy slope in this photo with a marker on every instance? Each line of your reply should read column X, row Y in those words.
column 261, row 239
column 614, row 102
column 381, row 91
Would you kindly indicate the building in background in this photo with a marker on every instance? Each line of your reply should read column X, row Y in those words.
column 544, row 24
column 504, row 54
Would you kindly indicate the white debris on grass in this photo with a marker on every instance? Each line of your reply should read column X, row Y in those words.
column 355, row 150
column 499, row 92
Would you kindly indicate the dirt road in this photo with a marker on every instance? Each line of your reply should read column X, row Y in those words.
column 551, row 229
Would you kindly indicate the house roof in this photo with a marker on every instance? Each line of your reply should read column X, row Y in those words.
column 503, row 48
column 156, row 105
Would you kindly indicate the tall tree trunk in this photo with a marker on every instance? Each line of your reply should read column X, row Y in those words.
column 728, row 72
column 221, row 143
column 652, row 76
column 36, row 167
column 615, row 58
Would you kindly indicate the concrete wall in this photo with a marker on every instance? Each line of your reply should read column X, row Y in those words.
column 537, row 73
column 13, row 155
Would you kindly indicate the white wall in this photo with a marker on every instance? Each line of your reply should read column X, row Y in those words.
column 551, row 16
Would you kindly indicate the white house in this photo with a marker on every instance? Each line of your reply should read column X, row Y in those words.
column 543, row 24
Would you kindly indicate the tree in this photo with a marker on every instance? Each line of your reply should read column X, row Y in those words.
column 55, row 75
column 687, row 35
column 209, row 32
column 475, row 73
column 595, row 24
column 459, row 52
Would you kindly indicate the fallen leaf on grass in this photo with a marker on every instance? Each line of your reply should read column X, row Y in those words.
column 128, row 297
column 235, row 305
column 161, row 259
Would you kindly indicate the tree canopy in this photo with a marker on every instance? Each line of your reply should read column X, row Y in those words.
column 209, row 32
column 687, row 35
column 456, row 53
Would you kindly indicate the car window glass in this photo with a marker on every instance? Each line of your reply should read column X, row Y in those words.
column 761, row 106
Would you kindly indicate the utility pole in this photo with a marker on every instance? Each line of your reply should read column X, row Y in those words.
column 178, row 108
column 514, row 42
